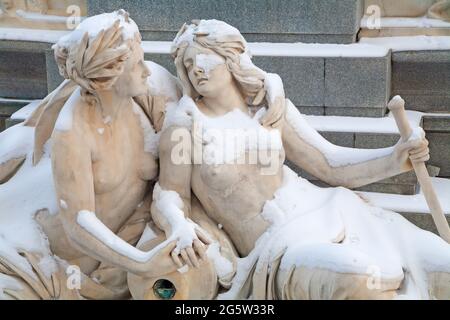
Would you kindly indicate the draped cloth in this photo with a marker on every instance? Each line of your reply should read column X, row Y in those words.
column 328, row 243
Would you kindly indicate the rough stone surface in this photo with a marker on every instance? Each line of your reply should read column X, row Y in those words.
column 9, row 123
column 343, row 139
column 423, row 221
column 23, row 70
column 357, row 82
column 356, row 112
column 2, row 124
column 436, row 123
column 54, row 79
column 313, row 111
column 422, row 78
column 164, row 60
column 258, row 20
column 375, row 140
column 303, row 77
column 440, row 151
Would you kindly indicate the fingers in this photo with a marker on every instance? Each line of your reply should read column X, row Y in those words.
column 185, row 257
column 200, row 249
column 176, row 259
column 202, row 236
column 193, row 257
column 421, row 156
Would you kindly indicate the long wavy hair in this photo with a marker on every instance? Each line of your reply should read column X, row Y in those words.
column 233, row 48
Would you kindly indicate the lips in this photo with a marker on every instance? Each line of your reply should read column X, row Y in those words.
column 202, row 81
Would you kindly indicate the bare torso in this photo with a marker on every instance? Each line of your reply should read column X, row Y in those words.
column 121, row 171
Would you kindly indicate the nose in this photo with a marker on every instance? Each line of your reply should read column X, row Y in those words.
column 198, row 71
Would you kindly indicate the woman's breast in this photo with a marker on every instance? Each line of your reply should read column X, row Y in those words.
column 108, row 175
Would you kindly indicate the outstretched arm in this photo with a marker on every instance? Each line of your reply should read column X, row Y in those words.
column 340, row 166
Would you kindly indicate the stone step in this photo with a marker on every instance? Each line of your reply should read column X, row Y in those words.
column 23, row 69
column 402, row 27
column 414, row 207
column 7, row 108
column 315, row 21
column 420, row 70
column 422, row 78
column 320, row 79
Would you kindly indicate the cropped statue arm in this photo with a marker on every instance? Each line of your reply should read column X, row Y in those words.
column 171, row 204
column 340, row 166
column 73, row 176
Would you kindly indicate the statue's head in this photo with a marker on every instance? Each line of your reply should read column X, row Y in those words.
column 104, row 53
column 211, row 55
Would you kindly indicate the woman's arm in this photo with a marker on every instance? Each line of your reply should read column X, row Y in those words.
column 172, row 197
column 73, row 176
column 340, row 166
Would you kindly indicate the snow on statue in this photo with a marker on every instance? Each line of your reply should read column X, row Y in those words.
column 82, row 217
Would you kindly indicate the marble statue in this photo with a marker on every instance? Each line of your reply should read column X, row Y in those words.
column 82, row 216
column 436, row 9
column 40, row 14
column 88, row 146
column 294, row 240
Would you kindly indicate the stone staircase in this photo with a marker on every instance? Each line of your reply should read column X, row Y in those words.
column 340, row 76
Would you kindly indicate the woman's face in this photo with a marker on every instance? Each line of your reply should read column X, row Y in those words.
column 133, row 80
column 206, row 70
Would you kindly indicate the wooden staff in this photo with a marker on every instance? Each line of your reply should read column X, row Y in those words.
column 397, row 107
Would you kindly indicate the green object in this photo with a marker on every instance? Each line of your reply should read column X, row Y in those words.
column 164, row 289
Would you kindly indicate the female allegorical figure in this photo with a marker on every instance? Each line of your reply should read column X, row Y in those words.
column 82, row 161
column 298, row 241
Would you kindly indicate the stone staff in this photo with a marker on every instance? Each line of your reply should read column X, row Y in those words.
column 397, row 107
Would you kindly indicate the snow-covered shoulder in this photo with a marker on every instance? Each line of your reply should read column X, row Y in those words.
column 162, row 83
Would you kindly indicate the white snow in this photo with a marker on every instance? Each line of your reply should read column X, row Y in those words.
column 31, row 189
column 208, row 62
column 316, row 50
column 89, row 221
column 274, row 86
column 107, row 120
column 333, row 229
column 162, row 83
column 38, row 17
column 361, row 124
column 26, row 111
column 35, row 35
column 147, row 236
column 412, row 203
column 95, row 24
column 63, row 204
column 225, row 139
column 211, row 28
column 413, row 43
column 223, row 266
column 336, row 156
column 17, row 141
column 291, row 49
column 403, row 22
column 8, row 283
column 170, row 205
